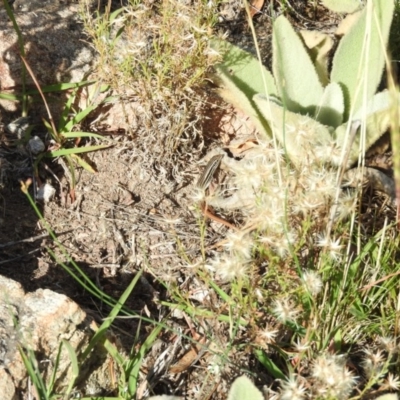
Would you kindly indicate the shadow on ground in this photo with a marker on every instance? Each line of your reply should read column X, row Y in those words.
column 56, row 52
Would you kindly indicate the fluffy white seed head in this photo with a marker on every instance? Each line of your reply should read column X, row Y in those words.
column 331, row 245
column 46, row 192
column 312, row 282
column 239, row 243
column 292, row 389
column 284, row 311
column 332, row 377
column 373, row 363
column 229, row 267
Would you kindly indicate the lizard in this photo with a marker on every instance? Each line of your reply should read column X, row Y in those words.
column 204, row 182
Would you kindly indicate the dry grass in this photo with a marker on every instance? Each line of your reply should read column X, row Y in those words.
column 156, row 55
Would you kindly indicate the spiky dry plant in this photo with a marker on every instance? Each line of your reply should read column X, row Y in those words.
column 287, row 208
column 275, row 199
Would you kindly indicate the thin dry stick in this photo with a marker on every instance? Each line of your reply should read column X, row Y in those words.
column 41, row 93
column 353, row 130
column 274, row 138
column 21, row 256
column 366, row 287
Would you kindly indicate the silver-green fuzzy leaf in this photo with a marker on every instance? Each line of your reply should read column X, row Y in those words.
column 304, row 138
column 375, row 126
column 235, row 86
column 331, row 107
column 319, row 45
column 377, row 116
column 359, row 59
column 241, row 97
column 342, row 6
column 295, row 75
column 246, row 70
column 243, row 389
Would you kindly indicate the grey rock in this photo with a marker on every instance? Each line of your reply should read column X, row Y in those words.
column 39, row 321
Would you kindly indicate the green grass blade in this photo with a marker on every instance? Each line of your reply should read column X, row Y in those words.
column 79, row 118
column 83, row 280
column 224, row 296
column 10, row 97
column 113, row 351
column 51, row 130
column 73, row 177
column 55, row 368
column 271, row 367
column 66, row 111
column 135, row 364
column 74, row 365
column 114, row 312
column 21, row 46
column 200, row 312
column 115, row 14
column 75, row 150
column 60, row 87
column 72, row 135
column 29, row 362
column 83, row 164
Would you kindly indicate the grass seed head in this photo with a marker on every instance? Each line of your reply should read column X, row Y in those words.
column 331, row 245
column 268, row 334
column 347, row 204
column 312, row 282
column 332, row 378
column 373, row 363
column 388, row 343
column 300, row 347
column 229, row 267
column 392, row 382
column 292, row 389
column 198, row 195
column 284, row 311
column 240, row 244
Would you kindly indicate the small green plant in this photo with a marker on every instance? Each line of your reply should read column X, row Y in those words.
column 303, row 96
column 313, row 124
column 65, row 140
column 322, row 128
column 45, row 390
column 126, row 375
column 243, row 389
column 127, row 366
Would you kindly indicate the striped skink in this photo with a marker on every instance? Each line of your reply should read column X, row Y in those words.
column 204, row 182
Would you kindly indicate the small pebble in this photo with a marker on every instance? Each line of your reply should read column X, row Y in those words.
column 46, row 192
column 36, row 145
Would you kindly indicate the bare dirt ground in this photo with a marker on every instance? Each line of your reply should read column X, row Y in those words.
column 132, row 214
